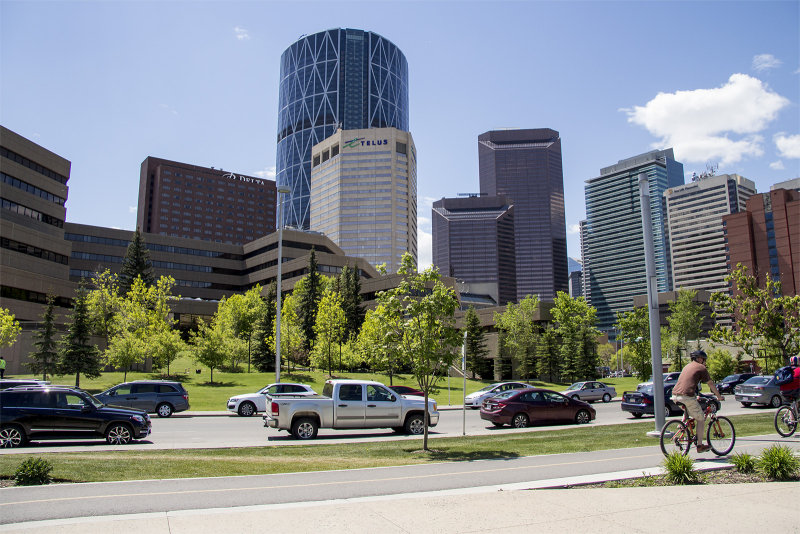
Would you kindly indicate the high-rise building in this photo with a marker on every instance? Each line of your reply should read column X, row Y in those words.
column 364, row 194
column 473, row 241
column 613, row 239
column 525, row 167
column 338, row 78
column 184, row 200
column 696, row 237
column 766, row 238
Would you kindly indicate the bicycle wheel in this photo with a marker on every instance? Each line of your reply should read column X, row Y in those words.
column 721, row 435
column 675, row 437
column 785, row 422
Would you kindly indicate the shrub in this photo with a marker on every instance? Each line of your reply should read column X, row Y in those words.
column 680, row 469
column 744, row 462
column 33, row 472
column 778, row 462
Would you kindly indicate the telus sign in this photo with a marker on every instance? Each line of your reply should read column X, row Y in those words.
column 363, row 141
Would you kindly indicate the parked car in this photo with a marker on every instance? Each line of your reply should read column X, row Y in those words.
column 250, row 403
column 759, row 390
column 405, row 390
column 161, row 397
column 475, row 400
column 522, row 407
column 57, row 412
column 641, row 401
column 727, row 384
column 590, row 391
column 670, row 379
column 15, row 382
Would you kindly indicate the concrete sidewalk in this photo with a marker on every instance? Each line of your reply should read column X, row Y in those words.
column 517, row 508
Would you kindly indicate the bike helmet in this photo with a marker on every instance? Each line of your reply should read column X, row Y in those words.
column 698, row 354
column 794, row 361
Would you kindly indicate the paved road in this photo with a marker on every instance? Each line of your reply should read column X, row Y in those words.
column 225, row 430
column 118, row 498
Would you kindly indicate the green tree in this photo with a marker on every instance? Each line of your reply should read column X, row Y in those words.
column 548, row 356
column 350, row 289
column 634, row 330
column 517, row 322
column 263, row 338
column 166, row 346
column 684, row 322
column 428, row 336
column 574, row 321
column 720, row 364
column 292, row 339
column 9, row 328
column 670, row 349
column 44, row 359
column 378, row 342
column 135, row 264
column 309, row 295
column 76, row 354
column 328, row 330
column 605, row 352
column 208, row 346
column 477, row 361
column 760, row 315
column 238, row 314
column 103, row 302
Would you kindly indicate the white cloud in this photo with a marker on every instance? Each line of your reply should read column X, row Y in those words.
column 776, row 165
column 131, row 209
column 788, row 145
column 241, row 33
column 698, row 123
column 168, row 108
column 573, row 229
column 268, row 173
column 763, row 62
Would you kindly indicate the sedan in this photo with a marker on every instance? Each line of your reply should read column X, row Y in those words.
column 521, row 408
column 729, row 383
column 405, row 390
column 590, row 391
column 759, row 390
column 249, row 403
column 474, row 400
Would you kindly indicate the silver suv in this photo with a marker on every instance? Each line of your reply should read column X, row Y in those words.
column 161, row 397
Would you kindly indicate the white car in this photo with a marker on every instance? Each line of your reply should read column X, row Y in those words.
column 474, row 400
column 250, row 403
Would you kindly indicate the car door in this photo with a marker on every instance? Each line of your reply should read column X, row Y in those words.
column 383, row 407
column 557, row 406
column 145, row 397
column 120, row 396
column 349, row 409
column 589, row 391
column 535, row 406
column 74, row 416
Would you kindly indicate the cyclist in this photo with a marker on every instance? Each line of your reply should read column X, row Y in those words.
column 685, row 392
column 791, row 391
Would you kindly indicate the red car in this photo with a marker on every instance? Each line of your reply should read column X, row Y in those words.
column 405, row 390
column 522, row 407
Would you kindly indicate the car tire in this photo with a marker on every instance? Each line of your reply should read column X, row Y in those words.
column 520, row 420
column 637, row 415
column 606, row 397
column 582, row 417
column 12, row 436
column 119, row 434
column 776, row 401
column 164, row 409
column 305, row 428
column 667, row 411
column 246, row 409
column 415, row 424
column 747, row 404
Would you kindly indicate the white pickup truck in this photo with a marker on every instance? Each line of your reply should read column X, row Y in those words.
column 349, row 404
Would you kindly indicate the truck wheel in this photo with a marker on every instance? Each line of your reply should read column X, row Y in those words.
column 415, row 424
column 305, row 428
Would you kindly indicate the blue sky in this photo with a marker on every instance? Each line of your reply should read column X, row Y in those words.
column 106, row 84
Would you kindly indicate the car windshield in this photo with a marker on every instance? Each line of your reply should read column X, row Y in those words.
column 506, row 394
column 487, row 388
column 759, row 380
column 730, row 378
column 647, row 388
column 91, row 398
column 576, row 385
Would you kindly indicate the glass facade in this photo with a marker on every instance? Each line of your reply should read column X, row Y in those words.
column 345, row 78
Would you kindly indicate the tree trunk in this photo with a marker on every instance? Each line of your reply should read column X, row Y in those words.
column 78, row 380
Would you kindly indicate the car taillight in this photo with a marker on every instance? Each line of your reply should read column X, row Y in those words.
column 186, row 396
column 275, row 408
column 647, row 401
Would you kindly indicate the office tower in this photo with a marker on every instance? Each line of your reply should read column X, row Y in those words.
column 525, row 167
column 614, row 243
column 473, row 241
column 338, row 78
column 184, row 200
column 766, row 238
column 696, row 237
column 364, row 194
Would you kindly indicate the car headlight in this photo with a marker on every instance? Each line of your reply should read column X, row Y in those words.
column 138, row 418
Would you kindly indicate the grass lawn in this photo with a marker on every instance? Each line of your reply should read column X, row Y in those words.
column 205, row 395
column 184, row 463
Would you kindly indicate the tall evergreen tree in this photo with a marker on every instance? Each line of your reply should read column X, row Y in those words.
column 77, row 355
column 309, row 301
column 350, row 289
column 477, row 362
column 136, row 263
column 548, row 356
column 45, row 358
column 263, row 338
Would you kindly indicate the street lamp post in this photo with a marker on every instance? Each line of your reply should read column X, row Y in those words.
column 281, row 191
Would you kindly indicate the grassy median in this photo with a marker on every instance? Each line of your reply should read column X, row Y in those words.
column 97, row 466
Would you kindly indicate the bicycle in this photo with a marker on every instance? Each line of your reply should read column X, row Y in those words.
column 678, row 435
column 786, row 419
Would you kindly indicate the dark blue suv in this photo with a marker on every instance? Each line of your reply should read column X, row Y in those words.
column 60, row 412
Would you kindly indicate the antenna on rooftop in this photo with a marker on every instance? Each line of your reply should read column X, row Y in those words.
column 471, row 194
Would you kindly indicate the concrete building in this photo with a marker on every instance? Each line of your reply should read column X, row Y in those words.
column 193, row 202
column 525, row 167
column 766, row 238
column 696, row 237
column 613, row 239
column 364, row 194
column 473, row 241
column 337, row 78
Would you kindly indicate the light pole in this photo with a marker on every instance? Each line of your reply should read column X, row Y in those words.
column 282, row 189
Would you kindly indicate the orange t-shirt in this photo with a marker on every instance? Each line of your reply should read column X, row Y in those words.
column 692, row 374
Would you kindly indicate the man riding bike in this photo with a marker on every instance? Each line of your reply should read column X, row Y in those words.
column 685, row 393
column 791, row 391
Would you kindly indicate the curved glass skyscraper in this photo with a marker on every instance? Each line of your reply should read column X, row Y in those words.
column 345, row 78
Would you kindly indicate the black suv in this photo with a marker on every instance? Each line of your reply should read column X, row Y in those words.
column 153, row 396
column 729, row 383
column 60, row 412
